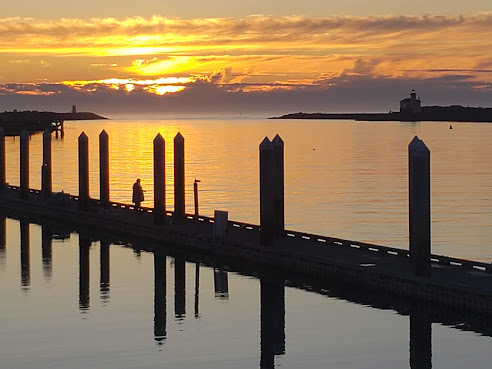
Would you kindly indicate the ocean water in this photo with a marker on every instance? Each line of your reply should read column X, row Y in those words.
column 344, row 179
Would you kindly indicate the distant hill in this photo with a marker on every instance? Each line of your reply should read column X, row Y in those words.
column 453, row 113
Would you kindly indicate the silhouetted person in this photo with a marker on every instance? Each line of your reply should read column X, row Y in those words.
column 138, row 194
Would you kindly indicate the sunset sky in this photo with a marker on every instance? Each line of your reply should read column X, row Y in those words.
column 251, row 57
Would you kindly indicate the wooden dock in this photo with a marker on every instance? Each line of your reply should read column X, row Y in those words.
column 458, row 283
column 414, row 273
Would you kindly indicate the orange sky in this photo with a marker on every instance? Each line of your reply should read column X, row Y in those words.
column 163, row 56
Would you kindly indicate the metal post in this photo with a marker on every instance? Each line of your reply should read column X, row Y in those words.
column 195, row 195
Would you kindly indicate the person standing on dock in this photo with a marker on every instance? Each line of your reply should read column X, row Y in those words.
column 138, row 194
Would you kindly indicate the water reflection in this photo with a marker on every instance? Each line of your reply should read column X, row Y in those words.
column 272, row 320
column 179, row 287
column 160, row 309
column 47, row 251
column 272, row 309
column 3, row 240
column 25, row 255
column 104, row 271
column 197, row 290
column 221, row 284
column 84, row 272
column 420, row 340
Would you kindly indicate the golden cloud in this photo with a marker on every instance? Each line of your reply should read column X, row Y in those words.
column 259, row 49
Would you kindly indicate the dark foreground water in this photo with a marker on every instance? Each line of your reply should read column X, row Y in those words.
column 71, row 303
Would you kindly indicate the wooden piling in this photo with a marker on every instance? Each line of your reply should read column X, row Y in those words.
column 83, row 172
column 159, row 180
column 3, row 179
column 24, row 165
column 104, row 169
column 179, row 177
column 419, row 206
column 46, row 169
column 278, row 158
column 267, row 193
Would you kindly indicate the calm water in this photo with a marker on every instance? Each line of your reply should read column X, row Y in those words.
column 344, row 179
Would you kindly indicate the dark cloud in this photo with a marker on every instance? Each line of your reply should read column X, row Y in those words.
column 350, row 93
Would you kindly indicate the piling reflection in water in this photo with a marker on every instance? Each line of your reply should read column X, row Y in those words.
column 272, row 299
column 272, row 320
column 179, row 287
column 160, row 310
column 25, row 255
column 47, row 251
column 221, row 284
column 84, row 272
column 104, row 270
column 3, row 239
column 420, row 340
column 197, row 290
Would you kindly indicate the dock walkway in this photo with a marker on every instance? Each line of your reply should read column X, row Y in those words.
column 459, row 283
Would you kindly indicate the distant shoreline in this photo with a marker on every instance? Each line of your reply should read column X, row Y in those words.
column 454, row 113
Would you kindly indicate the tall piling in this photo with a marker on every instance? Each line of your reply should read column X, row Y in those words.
column 179, row 177
column 46, row 171
column 272, row 217
column 278, row 164
column 419, row 207
column 104, row 169
column 3, row 179
column 83, row 172
column 159, row 180
column 267, row 201
column 24, row 165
